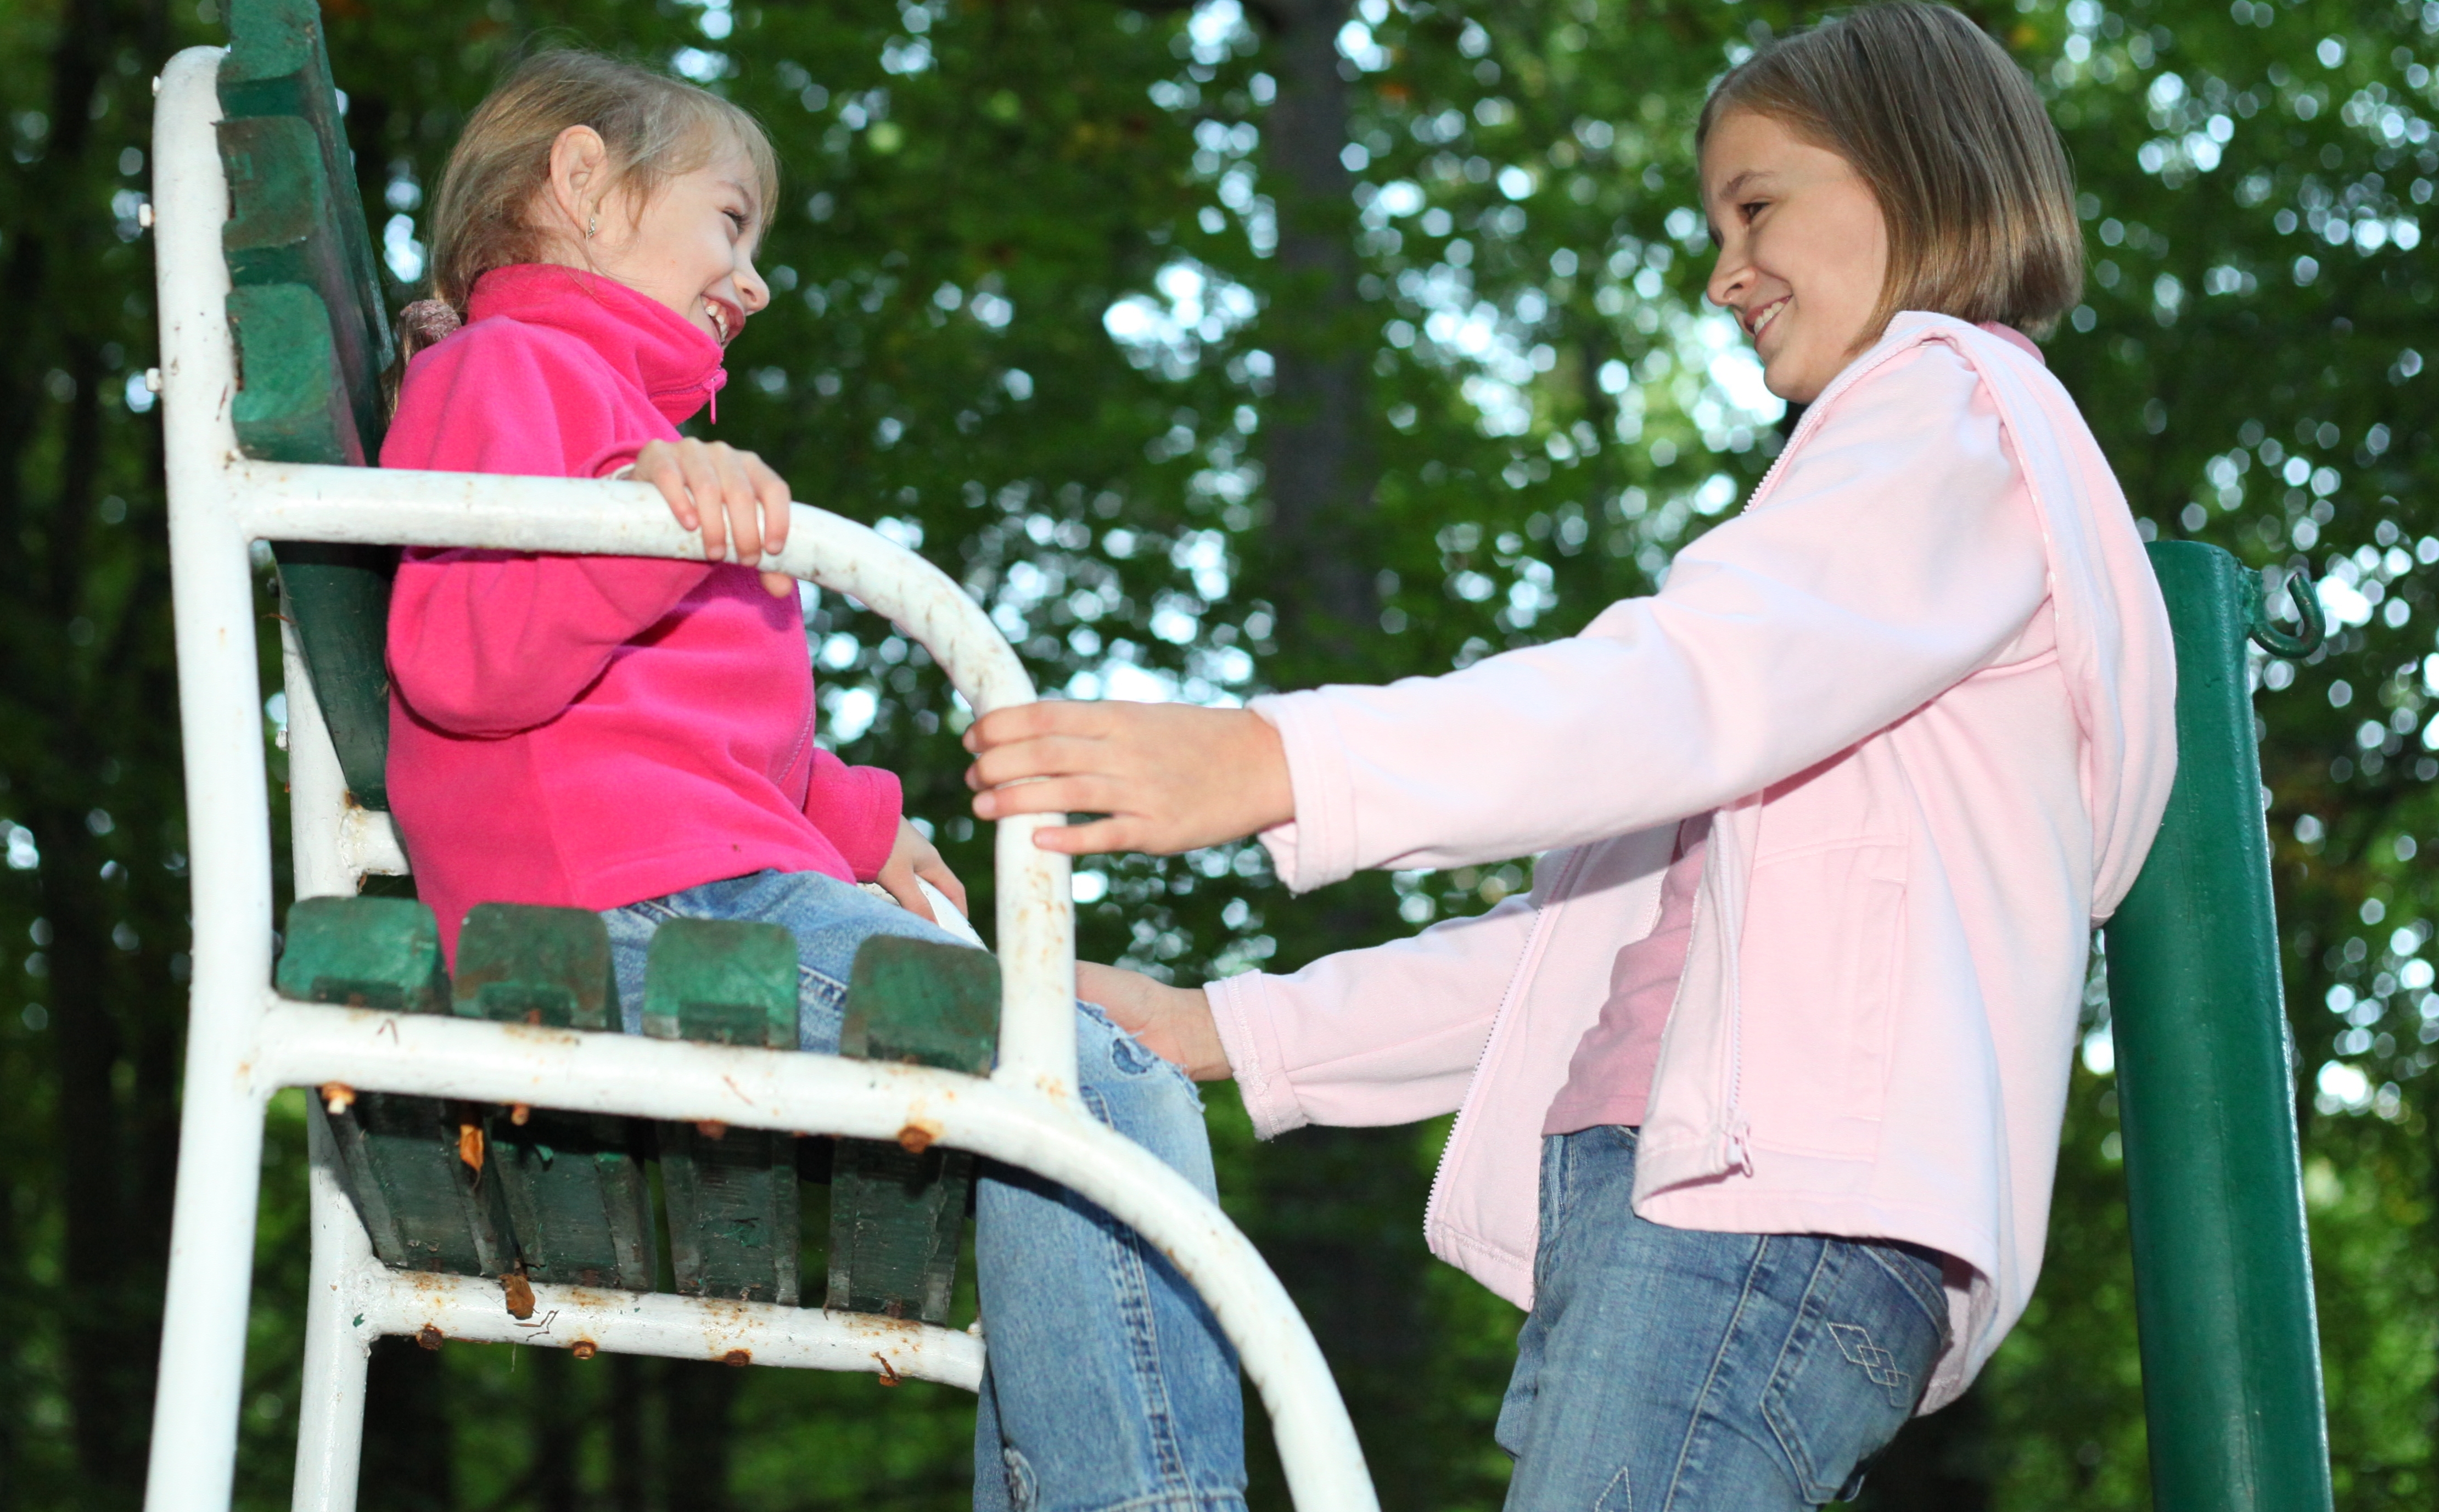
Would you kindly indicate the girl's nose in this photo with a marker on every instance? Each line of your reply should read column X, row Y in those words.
column 1730, row 276
column 752, row 290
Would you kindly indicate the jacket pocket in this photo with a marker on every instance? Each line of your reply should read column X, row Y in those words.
column 1818, row 974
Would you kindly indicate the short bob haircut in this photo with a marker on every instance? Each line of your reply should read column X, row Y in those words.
column 654, row 127
column 1948, row 136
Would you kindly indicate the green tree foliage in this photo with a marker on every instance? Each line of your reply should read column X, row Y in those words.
column 1241, row 344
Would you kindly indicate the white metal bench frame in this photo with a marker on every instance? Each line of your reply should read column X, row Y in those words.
column 245, row 1044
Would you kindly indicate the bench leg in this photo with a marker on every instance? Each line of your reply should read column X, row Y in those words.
column 212, row 1276
column 331, row 1415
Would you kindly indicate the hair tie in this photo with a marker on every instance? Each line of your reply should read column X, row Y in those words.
column 430, row 320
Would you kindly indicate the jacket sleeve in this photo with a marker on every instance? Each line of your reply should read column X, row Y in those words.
column 858, row 808
column 492, row 642
column 1897, row 555
column 1381, row 1036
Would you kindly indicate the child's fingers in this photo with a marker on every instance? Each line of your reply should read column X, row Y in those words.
column 900, row 885
column 936, row 871
column 655, row 464
column 1031, row 721
column 744, row 510
column 1101, row 838
column 777, row 502
column 778, row 585
column 1072, row 795
column 702, row 481
column 1049, row 755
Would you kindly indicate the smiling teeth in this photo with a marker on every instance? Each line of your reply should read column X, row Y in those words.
column 719, row 320
column 1767, row 316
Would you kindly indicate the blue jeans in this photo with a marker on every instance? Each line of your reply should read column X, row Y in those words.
column 1671, row 1370
column 1109, row 1383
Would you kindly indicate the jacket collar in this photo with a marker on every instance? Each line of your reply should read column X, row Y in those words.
column 651, row 345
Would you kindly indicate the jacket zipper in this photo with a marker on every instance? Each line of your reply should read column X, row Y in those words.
column 1805, row 426
column 1739, row 1129
column 1546, row 921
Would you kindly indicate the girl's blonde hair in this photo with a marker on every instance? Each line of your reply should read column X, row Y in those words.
column 1948, row 133
column 655, row 128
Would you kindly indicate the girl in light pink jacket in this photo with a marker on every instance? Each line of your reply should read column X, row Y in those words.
column 1759, row 1090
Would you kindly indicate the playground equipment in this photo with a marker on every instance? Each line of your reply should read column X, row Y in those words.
column 272, row 339
column 2206, row 1089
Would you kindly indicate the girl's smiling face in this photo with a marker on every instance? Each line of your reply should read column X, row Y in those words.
column 690, row 246
column 1803, row 250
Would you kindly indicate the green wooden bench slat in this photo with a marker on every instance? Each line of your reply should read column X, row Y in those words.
column 284, row 228
column 338, row 595
column 897, row 1212
column 289, row 405
column 732, row 1196
column 313, row 341
column 278, row 65
column 575, row 1182
column 425, row 1208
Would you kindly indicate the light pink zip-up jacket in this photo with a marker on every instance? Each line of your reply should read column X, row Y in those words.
column 1925, row 682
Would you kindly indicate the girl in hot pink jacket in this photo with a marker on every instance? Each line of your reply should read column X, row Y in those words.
column 636, row 737
column 1758, row 1093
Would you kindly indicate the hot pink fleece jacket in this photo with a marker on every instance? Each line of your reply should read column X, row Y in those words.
column 592, row 731
column 1924, row 684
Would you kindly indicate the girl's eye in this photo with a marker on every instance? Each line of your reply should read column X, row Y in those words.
column 1751, row 207
column 737, row 218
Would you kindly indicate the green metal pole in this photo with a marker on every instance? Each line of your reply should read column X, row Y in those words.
column 2206, row 1093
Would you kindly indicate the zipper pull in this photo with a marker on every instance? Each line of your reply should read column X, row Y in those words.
column 1740, row 1146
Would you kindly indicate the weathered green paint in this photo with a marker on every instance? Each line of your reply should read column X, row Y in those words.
column 897, row 1215
column 338, row 597
column 732, row 1192
column 399, row 1156
column 2206, row 1090
column 922, row 1002
column 575, row 1182
column 277, row 65
column 284, row 228
column 518, row 964
column 291, row 405
column 364, row 953
column 313, row 341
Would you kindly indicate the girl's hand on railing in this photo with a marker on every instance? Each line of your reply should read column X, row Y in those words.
column 1168, row 777
column 1173, row 1023
column 731, row 496
column 911, row 857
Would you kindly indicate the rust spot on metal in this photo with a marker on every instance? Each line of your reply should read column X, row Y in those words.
column 894, row 1309
column 712, row 1128
column 469, row 1144
column 585, row 1349
column 519, row 1113
column 519, row 1293
column 737, row 1357
column 889, row 1376
column 338, row 1097
column 917, row 1136
column 427, row 1337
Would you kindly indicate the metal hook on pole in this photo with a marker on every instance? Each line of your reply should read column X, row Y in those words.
column 2312, row 624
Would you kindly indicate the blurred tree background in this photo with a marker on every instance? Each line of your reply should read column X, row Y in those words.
column 1221, row 347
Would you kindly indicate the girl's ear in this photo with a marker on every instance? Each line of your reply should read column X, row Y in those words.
column 580, row 162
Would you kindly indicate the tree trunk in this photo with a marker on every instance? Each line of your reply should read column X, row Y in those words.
column 699, row 1397
column 558, row 1412
column 409, row 1458
column 1319, row 465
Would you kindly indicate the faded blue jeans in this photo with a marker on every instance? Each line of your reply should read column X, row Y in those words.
column 1672, row 1370
column 1109, row 1384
